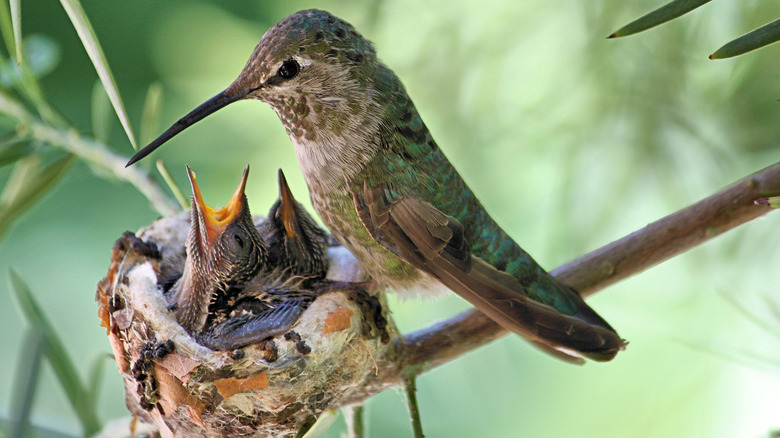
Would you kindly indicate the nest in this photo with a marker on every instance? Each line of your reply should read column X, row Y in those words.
column 277, row 387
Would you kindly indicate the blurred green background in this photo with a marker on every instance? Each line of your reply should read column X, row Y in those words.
column 570, row 140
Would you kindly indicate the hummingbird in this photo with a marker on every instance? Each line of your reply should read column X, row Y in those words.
column 223, row 249
column 294, row 240
column 387, row 192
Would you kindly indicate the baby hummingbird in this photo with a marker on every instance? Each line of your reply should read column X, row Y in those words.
column 295, row 241
column 223, row 249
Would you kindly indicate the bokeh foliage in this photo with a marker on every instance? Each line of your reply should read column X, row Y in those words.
column 571, row 141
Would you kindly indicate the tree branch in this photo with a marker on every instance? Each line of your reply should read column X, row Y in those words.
column 430, row 347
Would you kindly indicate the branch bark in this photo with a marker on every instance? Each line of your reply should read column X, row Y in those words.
column 430, row 347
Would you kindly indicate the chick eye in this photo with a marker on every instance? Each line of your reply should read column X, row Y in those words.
column 289, row 69
column 239, row 240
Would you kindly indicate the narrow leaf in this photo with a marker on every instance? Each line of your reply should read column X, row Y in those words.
column 24, row 80
column 95, row 52
column 14, row 150
column 26, row 184
column 95, row 377
column 23, row 171
column 766, row 34
column 28, row 372
column 16, row 22
column 323, row 423
column 177, row 193
column 151, row 114
column 101, row 113
column 665, row 13
column 6, row 27
column 58, row 358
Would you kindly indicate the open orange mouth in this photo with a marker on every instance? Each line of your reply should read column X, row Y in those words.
column 216, row 220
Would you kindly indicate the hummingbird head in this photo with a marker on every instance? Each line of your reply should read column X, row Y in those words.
column 320, row 77
column 294, row 239
column 223, row 249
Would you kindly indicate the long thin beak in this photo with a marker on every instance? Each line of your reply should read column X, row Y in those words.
column 286, row 212
column 207, row 108
column 215, row 221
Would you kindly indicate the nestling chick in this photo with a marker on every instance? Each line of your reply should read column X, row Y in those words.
column 223, row 250
column 295, row 241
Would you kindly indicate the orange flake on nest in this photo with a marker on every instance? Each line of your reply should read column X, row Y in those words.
column 231, row 386
column 173, row 394
column 179, row 366
column 338, row 320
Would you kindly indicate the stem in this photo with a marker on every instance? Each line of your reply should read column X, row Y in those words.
column 92, row 152
column 410, row 386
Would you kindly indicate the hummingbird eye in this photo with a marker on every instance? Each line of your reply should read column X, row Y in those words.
column 289, row 69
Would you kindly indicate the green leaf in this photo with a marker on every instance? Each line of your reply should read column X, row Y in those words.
column 58, row 357
column 151, row 114
column 665, row 13
column 764, row 35
column 101, row 113
column 16, row 22
column 95, row 377
column 14, row 150
column 323, row 423
column 6, row 27
column 28, row 372
column 41, row 56
column 95, row 52
column 27, row 183
column 25, row 81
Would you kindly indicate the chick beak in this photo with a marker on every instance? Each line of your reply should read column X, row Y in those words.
column 286, row 212
column 213, row 222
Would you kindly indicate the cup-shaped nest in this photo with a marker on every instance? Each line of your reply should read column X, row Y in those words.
column 276, row 387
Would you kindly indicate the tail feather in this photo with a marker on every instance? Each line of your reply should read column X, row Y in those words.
column 500, row 297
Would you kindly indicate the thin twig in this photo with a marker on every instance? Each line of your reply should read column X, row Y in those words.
column 92, row 152
column 430, row 347
column 410, row 386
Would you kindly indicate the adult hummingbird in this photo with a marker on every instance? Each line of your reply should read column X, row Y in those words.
column 223, row 249
column 387, row 192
